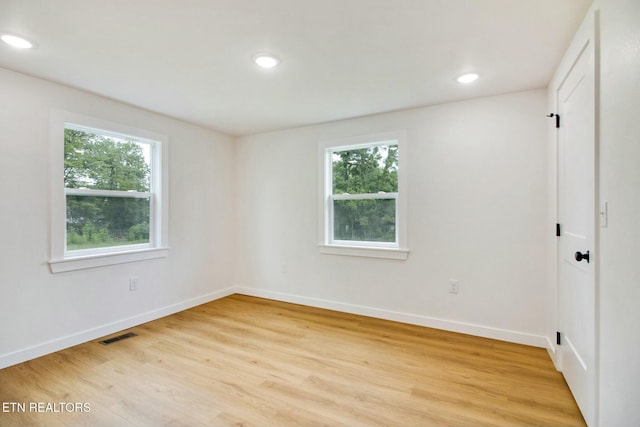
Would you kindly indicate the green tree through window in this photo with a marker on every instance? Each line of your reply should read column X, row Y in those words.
column 107, row 183
column 364, row 193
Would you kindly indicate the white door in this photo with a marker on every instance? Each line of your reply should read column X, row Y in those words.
column 576, row 212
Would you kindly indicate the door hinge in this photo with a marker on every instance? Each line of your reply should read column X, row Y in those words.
column 558, row 234
column 557, row 116
column 558, row 338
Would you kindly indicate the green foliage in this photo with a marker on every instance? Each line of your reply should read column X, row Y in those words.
column 139, row 232
column 74, row 239
column 98, row 162
column 368, row 170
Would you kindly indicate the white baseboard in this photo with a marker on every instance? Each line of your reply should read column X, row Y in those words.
column 414, row 319
column 61, row 343
column 553, row 354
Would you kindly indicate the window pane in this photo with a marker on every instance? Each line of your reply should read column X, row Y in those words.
column 99, row 222
column 103, row 162
column 369, row 220
column 365, row 170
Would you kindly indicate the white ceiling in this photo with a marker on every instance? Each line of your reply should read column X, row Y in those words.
column 191, row 59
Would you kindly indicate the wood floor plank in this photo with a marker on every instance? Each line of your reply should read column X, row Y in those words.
column 255, row 362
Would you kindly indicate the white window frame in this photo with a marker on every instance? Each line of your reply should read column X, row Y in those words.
column 329, row 245
column 61, row 259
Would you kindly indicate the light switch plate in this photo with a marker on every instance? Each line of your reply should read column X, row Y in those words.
column 604, row 215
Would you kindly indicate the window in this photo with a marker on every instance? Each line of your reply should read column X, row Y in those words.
column 107, row 194
column 363, row 197
column 107, row 183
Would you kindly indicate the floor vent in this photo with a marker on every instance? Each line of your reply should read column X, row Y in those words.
column 118, row 338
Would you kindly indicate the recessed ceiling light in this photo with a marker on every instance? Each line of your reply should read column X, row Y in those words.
column 468, row 78
column 265, row 60
column 17, row 42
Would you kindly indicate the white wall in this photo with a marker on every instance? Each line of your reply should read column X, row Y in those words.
column 477, row 209
column 620, row 188
column 42, row 312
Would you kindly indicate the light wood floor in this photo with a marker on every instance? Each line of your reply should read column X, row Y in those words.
column 243, row 361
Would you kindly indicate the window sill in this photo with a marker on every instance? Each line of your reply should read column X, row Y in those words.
column 367, row 252
column 101, row 260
